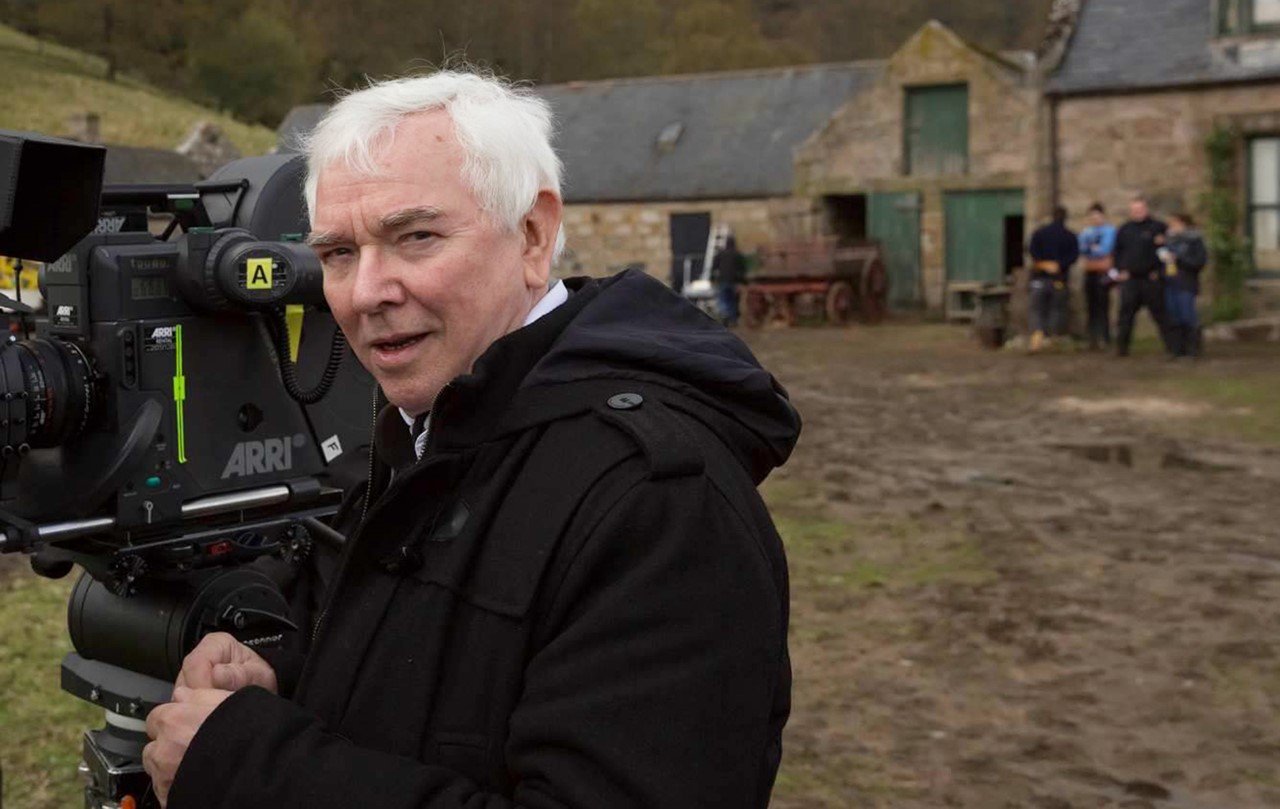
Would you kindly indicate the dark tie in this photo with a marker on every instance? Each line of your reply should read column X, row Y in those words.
column 419, row 424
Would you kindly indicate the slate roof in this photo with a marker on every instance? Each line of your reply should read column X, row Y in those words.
column 727, row 135
column 131, row 165
column 1127, row 45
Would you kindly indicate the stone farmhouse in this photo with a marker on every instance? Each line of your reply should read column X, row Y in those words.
column 947, row 153
column 1143, row 84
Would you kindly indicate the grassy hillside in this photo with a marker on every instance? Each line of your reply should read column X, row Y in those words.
column 42, row 85
column 874, row 29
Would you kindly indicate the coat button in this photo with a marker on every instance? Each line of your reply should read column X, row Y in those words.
column 626, row 401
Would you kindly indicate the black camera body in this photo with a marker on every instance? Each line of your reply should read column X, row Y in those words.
column 190, row 404
column 158, row 376
column 153, row 426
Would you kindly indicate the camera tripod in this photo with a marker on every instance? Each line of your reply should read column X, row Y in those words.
column 138, row 609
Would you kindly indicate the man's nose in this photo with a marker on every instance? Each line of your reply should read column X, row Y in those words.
column 377, row 283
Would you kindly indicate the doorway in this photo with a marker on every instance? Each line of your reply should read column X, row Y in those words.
column 846, row 217
column 1014, row 243
column 689, row 234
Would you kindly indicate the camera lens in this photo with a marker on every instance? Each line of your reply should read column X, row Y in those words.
column 52, row 383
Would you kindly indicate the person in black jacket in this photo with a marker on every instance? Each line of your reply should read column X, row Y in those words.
column 1140, row 272
column 559, row 586
column 1184, row 255
column 1054, row 250
column 728, row 271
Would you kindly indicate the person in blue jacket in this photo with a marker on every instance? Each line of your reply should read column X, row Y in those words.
column 1097, row 247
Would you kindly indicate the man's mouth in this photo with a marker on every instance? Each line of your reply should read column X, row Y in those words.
column 398, row 343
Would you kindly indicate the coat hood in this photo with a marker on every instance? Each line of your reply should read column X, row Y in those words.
column 628, row 328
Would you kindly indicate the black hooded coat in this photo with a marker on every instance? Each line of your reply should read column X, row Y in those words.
column 576, row 598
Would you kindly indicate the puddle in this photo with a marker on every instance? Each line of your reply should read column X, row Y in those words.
column 1148, row 794
column 1131, row 456
column 1121, row 454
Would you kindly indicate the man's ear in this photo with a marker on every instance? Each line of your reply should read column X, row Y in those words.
column 540, row 227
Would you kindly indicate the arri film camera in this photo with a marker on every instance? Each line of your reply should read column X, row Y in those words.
column 153, row 426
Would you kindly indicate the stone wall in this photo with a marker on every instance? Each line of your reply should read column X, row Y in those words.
column 603, row 238
column 860, row 150
column 1111, row 147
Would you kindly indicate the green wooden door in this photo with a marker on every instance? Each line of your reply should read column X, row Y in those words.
column 936, row 130
column 976, row 233
column 894, row 220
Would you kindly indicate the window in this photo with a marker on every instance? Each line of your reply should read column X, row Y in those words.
column 1264, row 202
column 1248, row 16
column 1266, row 12
column 936, row 130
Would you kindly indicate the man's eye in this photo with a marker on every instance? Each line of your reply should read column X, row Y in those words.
column 418, row 236
column 335, row 254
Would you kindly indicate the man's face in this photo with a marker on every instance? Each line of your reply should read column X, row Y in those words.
column 1138, row 210
column 1176, row 225
column 421, row 280
column 1096, row 218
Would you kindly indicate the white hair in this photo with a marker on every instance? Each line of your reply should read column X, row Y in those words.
column 504, row 131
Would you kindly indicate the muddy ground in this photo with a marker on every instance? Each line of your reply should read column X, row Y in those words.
column 1048, row 582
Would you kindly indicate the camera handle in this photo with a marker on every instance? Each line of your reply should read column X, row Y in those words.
column 12, row 537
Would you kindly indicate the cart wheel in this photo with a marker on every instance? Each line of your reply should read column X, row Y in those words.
column 839, row 303
column 874, row 292
column 754, row 307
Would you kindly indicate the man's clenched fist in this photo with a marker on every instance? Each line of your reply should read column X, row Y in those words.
column 220, row 661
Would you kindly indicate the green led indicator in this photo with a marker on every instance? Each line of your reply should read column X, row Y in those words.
column 179, row 394
column 153, row 482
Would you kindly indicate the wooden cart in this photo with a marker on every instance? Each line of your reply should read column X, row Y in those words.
column 816, row 280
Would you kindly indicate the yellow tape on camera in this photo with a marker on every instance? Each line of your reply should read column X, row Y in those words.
column 30, row 274
column 257, row 274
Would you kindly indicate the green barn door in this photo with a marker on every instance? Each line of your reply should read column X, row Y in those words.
column 977, row 227
column 894, row 220
column 936, row 133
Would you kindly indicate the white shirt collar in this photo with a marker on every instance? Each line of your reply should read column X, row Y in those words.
column 554, row 297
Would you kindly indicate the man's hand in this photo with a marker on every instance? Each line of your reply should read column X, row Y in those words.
column 220, row 661
column 172, row 726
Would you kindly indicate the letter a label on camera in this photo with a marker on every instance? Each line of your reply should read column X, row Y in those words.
column 257, row 273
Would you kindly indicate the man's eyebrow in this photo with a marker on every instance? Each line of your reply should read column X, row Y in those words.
column 410, row 216
column 324, row 239
column 392, row 221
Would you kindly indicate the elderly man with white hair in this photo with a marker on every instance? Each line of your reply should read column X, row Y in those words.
column 559, row 586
